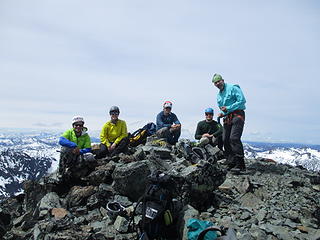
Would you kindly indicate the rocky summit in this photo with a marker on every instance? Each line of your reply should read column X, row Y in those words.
column 267, row 201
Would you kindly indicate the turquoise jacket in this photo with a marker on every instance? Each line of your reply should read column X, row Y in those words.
column 232, row 98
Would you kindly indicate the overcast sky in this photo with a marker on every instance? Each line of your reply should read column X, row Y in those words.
column 64, row 58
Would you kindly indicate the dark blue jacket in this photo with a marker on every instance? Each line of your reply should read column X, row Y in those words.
column 166, row 121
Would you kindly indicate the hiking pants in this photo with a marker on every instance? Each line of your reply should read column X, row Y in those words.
column 121, row 147
column 212, row 141
column 220, row 143
column 232, row 133
column 67, row 159
column 172, row 137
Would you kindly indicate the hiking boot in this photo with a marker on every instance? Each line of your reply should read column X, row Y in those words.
column 239, row 167
column 231, row 166
column 229, row 161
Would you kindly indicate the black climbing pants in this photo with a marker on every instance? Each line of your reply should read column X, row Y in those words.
column 232, row 132
column 120, row 148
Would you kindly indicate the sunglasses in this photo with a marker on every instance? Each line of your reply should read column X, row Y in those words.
column 207, row 114
column 114, row 113
column 78, row 125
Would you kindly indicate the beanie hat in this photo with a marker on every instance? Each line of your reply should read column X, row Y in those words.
column 77, row 119
column 216, row 78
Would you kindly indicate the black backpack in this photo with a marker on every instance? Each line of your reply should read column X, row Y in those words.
column 158, row 214
column 198, row 154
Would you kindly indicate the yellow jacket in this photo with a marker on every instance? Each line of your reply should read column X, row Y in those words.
column 113, row 133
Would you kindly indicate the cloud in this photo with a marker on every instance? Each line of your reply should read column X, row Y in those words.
column 65, row 58
column 55, row 125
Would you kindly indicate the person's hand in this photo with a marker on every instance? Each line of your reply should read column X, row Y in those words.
column 76, row 151
column 206, row 135
column 223, row 109
column 112, row 147
column 175, row 126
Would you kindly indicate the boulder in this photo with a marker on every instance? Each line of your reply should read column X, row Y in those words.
column 5, row 219
column 131, row 179
column 102, row 174
column 59, row 213
column 78, row 195
column 199, row 182
column 139, row 154
column 121, row 224
column 158, row 152
column 49, row 201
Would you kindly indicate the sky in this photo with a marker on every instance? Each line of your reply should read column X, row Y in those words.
column 60, row 58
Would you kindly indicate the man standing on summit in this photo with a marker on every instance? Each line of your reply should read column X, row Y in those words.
column 231, row 102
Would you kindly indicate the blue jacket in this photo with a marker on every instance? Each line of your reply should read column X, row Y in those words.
column 232, row 98
column 166, row 121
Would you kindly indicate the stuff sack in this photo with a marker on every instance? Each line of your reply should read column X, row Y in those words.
column 196, row 227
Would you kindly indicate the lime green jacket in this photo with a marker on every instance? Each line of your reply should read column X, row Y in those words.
column 69, row 139
column 113, row 133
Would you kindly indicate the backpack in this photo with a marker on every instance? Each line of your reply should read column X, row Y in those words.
column 198, row 154
column 157, row 209
column 140, row 136
column 151, row 128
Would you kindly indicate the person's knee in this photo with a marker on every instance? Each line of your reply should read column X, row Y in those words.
column 103, row 147
column 204, row 141
column 214, row 141
column 234, row 139
column 162, row 132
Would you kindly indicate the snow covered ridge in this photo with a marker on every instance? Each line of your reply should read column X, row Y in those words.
column 30, row 154
column 307, row 156
column 32, row 143
column 25, row 155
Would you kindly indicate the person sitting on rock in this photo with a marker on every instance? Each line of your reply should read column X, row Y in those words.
column 168, row 125
column 113, row 136
column 75, row 143
column 209, row 131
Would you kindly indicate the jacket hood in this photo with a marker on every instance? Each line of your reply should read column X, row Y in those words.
column 84, row 131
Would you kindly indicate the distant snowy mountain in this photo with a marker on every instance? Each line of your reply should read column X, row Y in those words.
column 25, row 155
column 307, row 156
column 32, row 154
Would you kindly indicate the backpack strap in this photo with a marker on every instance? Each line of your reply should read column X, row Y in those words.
column 204, row 232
